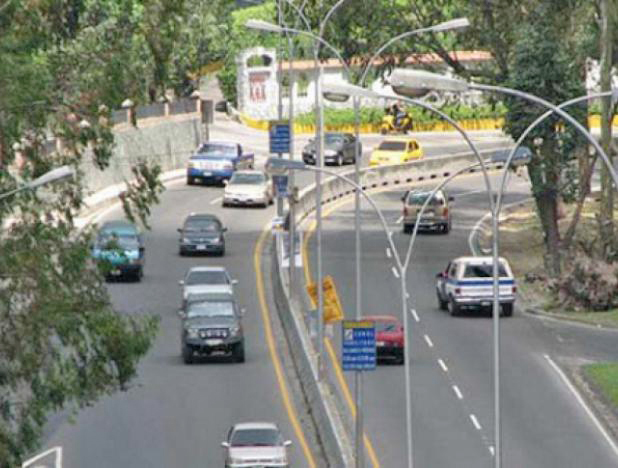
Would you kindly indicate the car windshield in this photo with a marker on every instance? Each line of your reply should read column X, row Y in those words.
column 239, row 178
column 113, row 240
column 392, row 146
column 217, row 149
column 206, row 277
column 418, row 198
column 210, row 309
column 482, row 271
column 332, row 138
column 253, row 437
column 386, row 326
column 208, row 225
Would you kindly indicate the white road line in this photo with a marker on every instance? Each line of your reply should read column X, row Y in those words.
column 476, row 227
column 442, row 365
column 415, row 315
column 395, row 272
column 457, row 392
column 388, row 252
column 429, row 342
column 475, row 422
column 471, row 192
column 560, row 339
column 216, row 200
column 583, row 404
column 399, row 220
column 492, row 450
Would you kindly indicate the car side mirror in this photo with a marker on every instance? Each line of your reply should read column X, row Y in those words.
column 451, row 198
column 225, row 444
column 287, row 443
column 179, row 230
column 440, row 275
column 224, row 229
column 181, row 282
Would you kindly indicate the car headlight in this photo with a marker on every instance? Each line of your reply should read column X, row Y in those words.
column 227, row 165
column 193, row 332
column 134, row 261
column 235, row 330
column 185, row 240
column 330, row 152
column 217, row 240
column 191, row 165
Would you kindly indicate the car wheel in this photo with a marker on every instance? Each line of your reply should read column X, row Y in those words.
column 190, row 180
column 138, row 275
column 222, row 252
column 187, row 355
column 400, row 360
column 383, row 131
column 239, row 352
column 453, row 308
column 408, row 228
column 446, row 228
column 507, row 310
column 442, row 304
column 339, row 159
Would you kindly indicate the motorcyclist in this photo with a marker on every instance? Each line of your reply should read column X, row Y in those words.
column 398, row 114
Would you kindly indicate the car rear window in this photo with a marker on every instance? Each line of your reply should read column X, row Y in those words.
column 239, row 178
column 392, row 146
column 386, row 326
column 416, row 198
column 207, row 277
column 482, row 271
column 209, row 225
column 255, row 437
column 219, row 149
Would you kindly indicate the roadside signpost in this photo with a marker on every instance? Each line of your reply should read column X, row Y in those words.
column 333, row 311
column 284, row 245
column 358, row 344
column 279, row 136
column 280, row 182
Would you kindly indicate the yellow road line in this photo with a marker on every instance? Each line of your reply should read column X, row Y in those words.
column 329, row 346
column 287, row 401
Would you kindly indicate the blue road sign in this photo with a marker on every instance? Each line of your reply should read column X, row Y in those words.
column 359, row 345
column 279, row 136
column 281, row 185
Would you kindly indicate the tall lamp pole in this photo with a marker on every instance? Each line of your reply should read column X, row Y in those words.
column 417, row 81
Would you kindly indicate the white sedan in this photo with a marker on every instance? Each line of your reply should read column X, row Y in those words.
column 248, row 188
column 206, row 279
column 255, row 444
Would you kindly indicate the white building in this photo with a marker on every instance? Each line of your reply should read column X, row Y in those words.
column 258, row 88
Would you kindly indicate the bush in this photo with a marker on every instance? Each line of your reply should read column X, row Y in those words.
column 587, row 283
column 373, row 115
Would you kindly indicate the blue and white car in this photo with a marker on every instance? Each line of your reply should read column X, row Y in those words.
column 119, row 246
column 467, row 283
column 216, row 161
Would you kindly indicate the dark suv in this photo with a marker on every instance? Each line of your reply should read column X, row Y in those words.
column 211, row 325
column 202, row 233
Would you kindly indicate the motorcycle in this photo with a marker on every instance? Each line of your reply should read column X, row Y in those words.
column 402, row 124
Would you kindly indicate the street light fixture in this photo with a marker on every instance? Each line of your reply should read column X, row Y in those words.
column 55, row 175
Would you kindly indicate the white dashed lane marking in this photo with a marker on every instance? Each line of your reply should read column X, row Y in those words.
column 475, row 422
column 442, row 365
column 395, row 272
column 457, row 392
column 429, row 342
column 216, row 200
column 415, row 315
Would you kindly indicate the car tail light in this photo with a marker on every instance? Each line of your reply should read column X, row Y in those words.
column 445, row 211
column 457, row 291
column 405, row 211
column 514, row 289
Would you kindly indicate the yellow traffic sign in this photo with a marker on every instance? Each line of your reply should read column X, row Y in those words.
column 333, row 312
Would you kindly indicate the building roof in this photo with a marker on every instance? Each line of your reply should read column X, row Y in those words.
column 461, row 55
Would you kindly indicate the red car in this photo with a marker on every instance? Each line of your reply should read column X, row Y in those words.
column 389, row 337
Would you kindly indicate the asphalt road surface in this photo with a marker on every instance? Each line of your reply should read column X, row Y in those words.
column 543, row 425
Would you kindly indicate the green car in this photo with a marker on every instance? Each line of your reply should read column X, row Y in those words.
column 119, row 245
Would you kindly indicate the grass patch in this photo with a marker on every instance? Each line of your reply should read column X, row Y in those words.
column 521, row 241
column 605, row 377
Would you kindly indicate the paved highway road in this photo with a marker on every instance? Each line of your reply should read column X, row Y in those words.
column 177, row 415
column 543, row 424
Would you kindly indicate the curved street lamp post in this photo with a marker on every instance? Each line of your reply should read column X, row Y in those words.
column 415, row 82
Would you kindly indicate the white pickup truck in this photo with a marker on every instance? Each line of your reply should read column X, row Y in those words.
column 467, row 283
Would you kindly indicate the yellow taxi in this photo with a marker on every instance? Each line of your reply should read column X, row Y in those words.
column 396, row 151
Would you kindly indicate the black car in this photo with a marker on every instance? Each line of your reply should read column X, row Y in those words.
column 211, row 325
column 202, row 233
column 339, row 149
column 119, row 246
